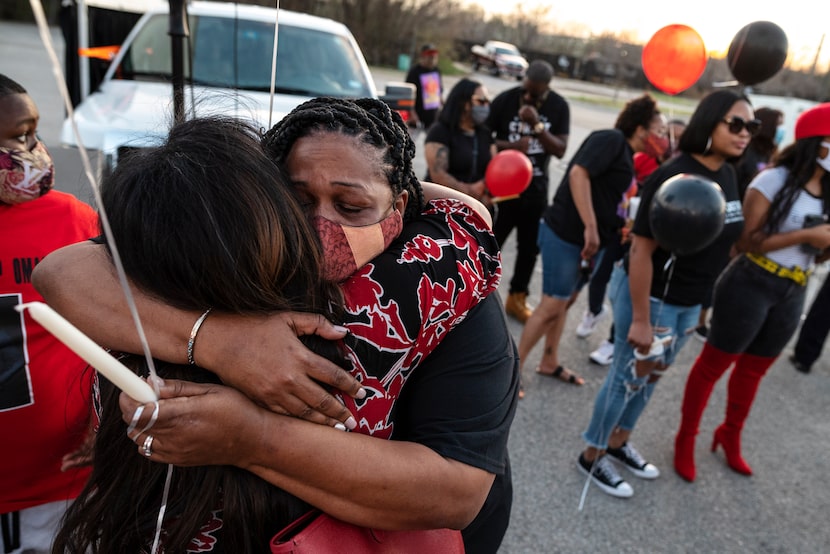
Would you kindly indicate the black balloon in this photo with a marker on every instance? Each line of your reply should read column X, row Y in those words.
column 757, row 52
column 687, row 213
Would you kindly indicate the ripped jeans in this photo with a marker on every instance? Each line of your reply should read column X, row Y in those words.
column 624, row 395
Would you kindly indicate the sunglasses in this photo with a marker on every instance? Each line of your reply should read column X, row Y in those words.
column 737, row 124
column 481, row 99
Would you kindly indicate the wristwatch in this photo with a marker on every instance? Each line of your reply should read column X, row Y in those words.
column 538, row 128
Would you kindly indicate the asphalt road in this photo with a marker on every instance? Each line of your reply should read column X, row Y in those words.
column 782, row 508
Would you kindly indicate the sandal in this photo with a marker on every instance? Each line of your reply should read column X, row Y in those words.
column 563, row 374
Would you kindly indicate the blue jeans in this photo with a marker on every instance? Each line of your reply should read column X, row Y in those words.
column 623, row 395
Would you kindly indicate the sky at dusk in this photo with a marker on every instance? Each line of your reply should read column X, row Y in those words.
column 716, row 21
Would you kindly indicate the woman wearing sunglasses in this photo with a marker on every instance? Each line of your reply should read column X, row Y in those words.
column 650, row 298
column 459, row 147
column 759, row 298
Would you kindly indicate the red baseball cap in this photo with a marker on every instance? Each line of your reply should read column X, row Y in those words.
column 814, row 122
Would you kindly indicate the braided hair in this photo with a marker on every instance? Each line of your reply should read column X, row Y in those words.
column 368, row 119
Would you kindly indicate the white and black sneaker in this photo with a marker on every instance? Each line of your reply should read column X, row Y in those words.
column 590, row 321
column 603, row 355
column 628, row 456
column 605, row 476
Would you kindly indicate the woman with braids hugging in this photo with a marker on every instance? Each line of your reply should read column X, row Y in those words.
column 433, row 365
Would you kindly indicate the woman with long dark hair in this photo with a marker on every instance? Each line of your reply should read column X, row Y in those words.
column 759, row 298
column 459, row 146
column 174, row 213
column 650, row 298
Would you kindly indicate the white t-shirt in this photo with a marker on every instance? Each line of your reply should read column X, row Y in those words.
column 768, row 183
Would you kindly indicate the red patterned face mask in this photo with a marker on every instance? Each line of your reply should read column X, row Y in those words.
column 346, row 249
column 25, row 174
column 656, row 146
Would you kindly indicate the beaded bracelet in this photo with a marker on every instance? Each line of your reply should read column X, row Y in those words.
column 192, row 341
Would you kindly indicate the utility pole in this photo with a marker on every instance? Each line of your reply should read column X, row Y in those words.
column 178, row 32
column 818, row 54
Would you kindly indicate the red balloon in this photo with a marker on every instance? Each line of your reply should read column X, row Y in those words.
column 508, row 173
column 674, row 58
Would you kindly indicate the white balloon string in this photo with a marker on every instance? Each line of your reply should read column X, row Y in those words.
column 43, row 28
column 164, row 496
column 274, row 64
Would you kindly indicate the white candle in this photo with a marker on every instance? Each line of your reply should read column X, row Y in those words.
column 93, row 354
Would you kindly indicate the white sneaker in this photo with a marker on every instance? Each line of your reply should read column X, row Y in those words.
column 589, row 322
column 603, row 355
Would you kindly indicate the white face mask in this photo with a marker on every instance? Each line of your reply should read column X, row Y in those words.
column 825, row 161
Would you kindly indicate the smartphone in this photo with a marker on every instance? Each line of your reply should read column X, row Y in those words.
column 811, row 220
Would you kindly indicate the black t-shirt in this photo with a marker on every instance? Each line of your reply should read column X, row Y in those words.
column 505, row 123
column 609, row 160
column 695, row 274
column 445, row 395
column 420, row 76
column 469, row 152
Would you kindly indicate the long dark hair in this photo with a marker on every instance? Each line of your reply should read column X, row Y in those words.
column 368, row 119
column 453, row 108
column 709, row 114
column 205, row 220
column 800, row 160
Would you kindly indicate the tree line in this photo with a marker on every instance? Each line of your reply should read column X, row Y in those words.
column 385, row 29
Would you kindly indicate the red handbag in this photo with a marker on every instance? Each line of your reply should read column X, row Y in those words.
column 318, row 533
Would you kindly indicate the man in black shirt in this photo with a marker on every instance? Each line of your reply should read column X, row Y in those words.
column 535, row 120
column 429, row 88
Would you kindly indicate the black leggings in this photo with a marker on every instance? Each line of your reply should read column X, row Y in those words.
column 815, row 328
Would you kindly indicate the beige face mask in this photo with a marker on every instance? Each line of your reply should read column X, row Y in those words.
column 347, row 248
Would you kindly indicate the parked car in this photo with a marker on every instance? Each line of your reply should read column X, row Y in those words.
column 227, row 70
column 499, row 58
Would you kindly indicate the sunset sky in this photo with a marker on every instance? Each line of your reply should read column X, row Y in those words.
column 716, row 21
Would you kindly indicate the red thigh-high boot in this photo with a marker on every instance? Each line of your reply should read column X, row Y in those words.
column 707, row 369
column 743, row 384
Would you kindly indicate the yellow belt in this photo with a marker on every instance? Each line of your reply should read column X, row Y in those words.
column 793, row 273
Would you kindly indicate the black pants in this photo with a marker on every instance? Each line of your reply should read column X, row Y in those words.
column 815, row 328
column 613, row 252
column 522, row 214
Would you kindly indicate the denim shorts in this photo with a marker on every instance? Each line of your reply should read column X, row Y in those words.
column 561, row 272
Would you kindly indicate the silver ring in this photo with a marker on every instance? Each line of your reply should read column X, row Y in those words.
column 148, row 446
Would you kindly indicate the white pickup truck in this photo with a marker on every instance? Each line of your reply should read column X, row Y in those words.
column 499, row 58
column 227, row 70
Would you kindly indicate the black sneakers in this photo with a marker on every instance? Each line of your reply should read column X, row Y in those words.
column 798, row 365
column 605, row 476
column 634, row 462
